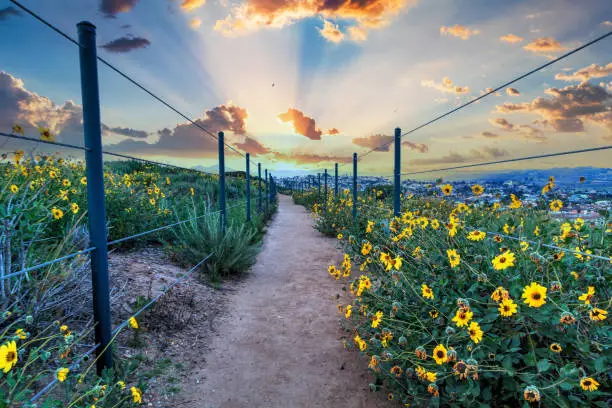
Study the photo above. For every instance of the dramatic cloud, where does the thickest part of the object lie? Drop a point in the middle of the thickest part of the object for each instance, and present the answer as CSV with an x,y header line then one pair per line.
x,y
138,134
190,5
333,131
113,7
378,143
419,147
512,91
586,73
8,11
253,15
252,146
302,124
511,38
331,32
568,108
460,31
126,44
473,155
490,135
544,46
195,23
187,140
445,86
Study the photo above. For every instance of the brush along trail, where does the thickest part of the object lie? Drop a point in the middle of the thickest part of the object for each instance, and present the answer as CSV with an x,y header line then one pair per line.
x,y
279,342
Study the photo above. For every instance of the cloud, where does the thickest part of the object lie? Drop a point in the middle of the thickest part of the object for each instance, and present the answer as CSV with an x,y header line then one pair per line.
x,y
460,31
502,123
333,131
586,73
445,86
195,23
607,23
487,90
527,131
128,132
126,44
187,140
544,45
419,147
512,91
511,38
6,12
568,108
113,7
310,158
302,124
253,15
378,143
190,5
252,146
331,32
490,135
454,157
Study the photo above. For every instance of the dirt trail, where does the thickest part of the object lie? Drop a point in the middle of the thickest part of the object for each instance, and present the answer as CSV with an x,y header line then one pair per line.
x,y
279,343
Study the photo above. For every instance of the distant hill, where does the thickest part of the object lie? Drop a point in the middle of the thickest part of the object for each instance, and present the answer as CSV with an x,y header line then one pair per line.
x,y
563,175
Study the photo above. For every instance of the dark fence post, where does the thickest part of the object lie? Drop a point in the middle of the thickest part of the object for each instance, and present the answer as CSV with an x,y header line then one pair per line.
x,y
259,203
221,138
336,179
267,190
396,172
325,190
96,207
355,188
319,187
248,187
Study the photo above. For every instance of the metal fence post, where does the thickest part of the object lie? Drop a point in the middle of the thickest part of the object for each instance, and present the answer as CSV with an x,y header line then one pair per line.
x,y
96,207
221,138
319,187
267,190
355,188
325,190
259,203
336,179
248,187
396,172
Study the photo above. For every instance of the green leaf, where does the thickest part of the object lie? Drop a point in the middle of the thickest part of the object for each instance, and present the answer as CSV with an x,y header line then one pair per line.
x,y
566,386
543,365
600,363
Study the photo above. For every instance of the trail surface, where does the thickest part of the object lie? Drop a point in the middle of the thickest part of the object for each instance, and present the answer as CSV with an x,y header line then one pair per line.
x,y
279,344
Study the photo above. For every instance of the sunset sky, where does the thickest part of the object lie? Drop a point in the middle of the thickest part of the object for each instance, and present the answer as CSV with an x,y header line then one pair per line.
x,y
303,84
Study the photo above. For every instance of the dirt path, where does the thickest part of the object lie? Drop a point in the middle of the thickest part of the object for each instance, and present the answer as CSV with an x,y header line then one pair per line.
x,y
279,343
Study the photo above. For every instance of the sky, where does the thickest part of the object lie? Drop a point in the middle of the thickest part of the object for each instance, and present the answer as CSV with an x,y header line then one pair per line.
x,y
302,84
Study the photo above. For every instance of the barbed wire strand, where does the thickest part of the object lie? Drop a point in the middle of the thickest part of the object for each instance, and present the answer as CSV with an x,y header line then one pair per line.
x,y
44,264
125,156
32,139
496,89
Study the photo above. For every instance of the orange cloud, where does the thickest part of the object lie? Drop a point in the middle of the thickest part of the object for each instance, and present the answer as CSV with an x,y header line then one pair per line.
x,y
195,23
511,38
544,45
512,91
302,124
190,5
460,31
253,15
252,146
489,134
331,32
419,147
378,143
333,131
586,73
445,86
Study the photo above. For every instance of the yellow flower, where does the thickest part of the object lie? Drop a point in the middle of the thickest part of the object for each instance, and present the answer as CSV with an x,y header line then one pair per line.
x,y
536,231
427,292
475,332
366,248
476,235
507,308
435,224
534,295
121,384
574,274
74,207
18,130
555,348
21,334
447,189
503,261
589,384
586,297
362,344
440,355
46,135
349,310
61,374
66,183
377,319
524,246
152,201
431,376
133,322
477,189
370,226
57,213
8,356
453,257
462,317
508,229
499,294
136,395
84,181
340,236
192,191
598,314
556,205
